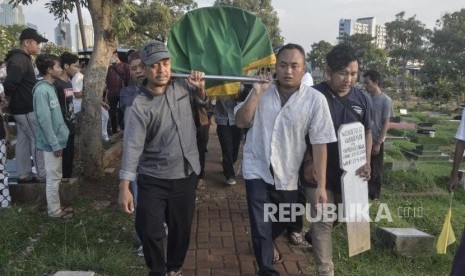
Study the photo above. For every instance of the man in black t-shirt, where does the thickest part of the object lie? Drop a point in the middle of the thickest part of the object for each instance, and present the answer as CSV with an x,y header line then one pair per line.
x,y
347,104
70,65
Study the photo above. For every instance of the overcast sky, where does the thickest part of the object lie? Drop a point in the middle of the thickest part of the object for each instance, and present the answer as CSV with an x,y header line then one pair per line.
x,y
303,21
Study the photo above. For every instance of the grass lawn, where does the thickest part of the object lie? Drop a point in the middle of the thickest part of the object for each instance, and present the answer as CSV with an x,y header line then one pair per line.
x,y
98,240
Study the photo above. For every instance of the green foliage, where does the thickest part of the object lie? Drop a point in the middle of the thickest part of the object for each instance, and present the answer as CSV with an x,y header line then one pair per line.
x,y
317,56
405,39
264,10
139,21
444,69
52,48
369,55
9,37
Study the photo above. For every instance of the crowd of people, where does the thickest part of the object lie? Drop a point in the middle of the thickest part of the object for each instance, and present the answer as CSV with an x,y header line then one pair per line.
x,y
290,152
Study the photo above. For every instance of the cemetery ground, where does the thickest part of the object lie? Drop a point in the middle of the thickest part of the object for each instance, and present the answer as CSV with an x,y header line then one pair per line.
x,y
100,237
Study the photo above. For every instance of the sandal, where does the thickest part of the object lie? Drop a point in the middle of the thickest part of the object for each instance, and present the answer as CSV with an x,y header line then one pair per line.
x,y
64,215
67,209
296,238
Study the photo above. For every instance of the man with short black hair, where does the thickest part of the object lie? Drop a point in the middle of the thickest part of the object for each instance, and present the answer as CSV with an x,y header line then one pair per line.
x,y
70,65
347,104
159,142
279,117
21,77
52,133
382,113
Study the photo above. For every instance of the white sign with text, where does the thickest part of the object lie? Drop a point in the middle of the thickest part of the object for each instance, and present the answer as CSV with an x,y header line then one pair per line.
x,y
352,156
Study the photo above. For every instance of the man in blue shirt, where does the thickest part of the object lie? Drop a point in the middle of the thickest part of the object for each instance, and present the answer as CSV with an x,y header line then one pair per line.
x,y
347,104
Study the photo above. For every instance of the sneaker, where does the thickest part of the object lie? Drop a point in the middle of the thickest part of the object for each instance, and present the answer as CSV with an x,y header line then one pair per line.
x,y
105,137
140,251
175,272
230,181
296,238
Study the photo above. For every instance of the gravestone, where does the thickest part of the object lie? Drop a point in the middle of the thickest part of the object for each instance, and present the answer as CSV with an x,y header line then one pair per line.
x,y
352,155
427,153
406,241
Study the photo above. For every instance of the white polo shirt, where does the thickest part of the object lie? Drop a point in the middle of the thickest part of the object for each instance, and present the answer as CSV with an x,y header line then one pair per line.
x,y
277,135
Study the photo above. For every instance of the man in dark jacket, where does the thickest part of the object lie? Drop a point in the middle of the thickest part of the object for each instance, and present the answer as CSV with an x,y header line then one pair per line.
x,y
117,78
21,78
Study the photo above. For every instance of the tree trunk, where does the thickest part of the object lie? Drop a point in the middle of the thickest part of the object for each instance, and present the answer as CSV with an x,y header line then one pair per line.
x,y
102,12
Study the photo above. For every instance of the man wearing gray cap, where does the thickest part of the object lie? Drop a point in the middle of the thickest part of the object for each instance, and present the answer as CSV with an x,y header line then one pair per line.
x,y
159,143
21,77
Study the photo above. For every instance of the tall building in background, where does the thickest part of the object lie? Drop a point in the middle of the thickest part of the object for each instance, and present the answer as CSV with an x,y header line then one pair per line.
x,y
345,27
10,15
88,34
365,25
63,36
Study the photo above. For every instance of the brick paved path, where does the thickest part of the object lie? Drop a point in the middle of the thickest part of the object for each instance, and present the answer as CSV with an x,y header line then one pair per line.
x,y
221,242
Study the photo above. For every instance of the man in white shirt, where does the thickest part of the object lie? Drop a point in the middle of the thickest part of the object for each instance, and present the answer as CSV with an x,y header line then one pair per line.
x,y
279,117
78,87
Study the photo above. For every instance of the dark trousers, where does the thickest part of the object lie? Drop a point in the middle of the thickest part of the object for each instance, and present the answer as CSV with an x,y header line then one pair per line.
x,y
230,140
116,115
377,168
458,266
162,200
202,141
264,233
68,157
298,224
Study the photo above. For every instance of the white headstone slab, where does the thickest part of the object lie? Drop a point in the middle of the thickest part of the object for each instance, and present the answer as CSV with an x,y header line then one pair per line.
x,y
352,156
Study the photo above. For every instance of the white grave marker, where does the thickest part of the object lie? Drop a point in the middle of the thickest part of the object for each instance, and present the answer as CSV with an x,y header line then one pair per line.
x,y
352,156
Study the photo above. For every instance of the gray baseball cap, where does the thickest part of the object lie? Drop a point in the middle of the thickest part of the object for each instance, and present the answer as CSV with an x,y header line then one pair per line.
x,y
153,51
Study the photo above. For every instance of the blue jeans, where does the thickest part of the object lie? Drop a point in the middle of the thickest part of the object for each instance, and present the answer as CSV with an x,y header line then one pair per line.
x,y
263,233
